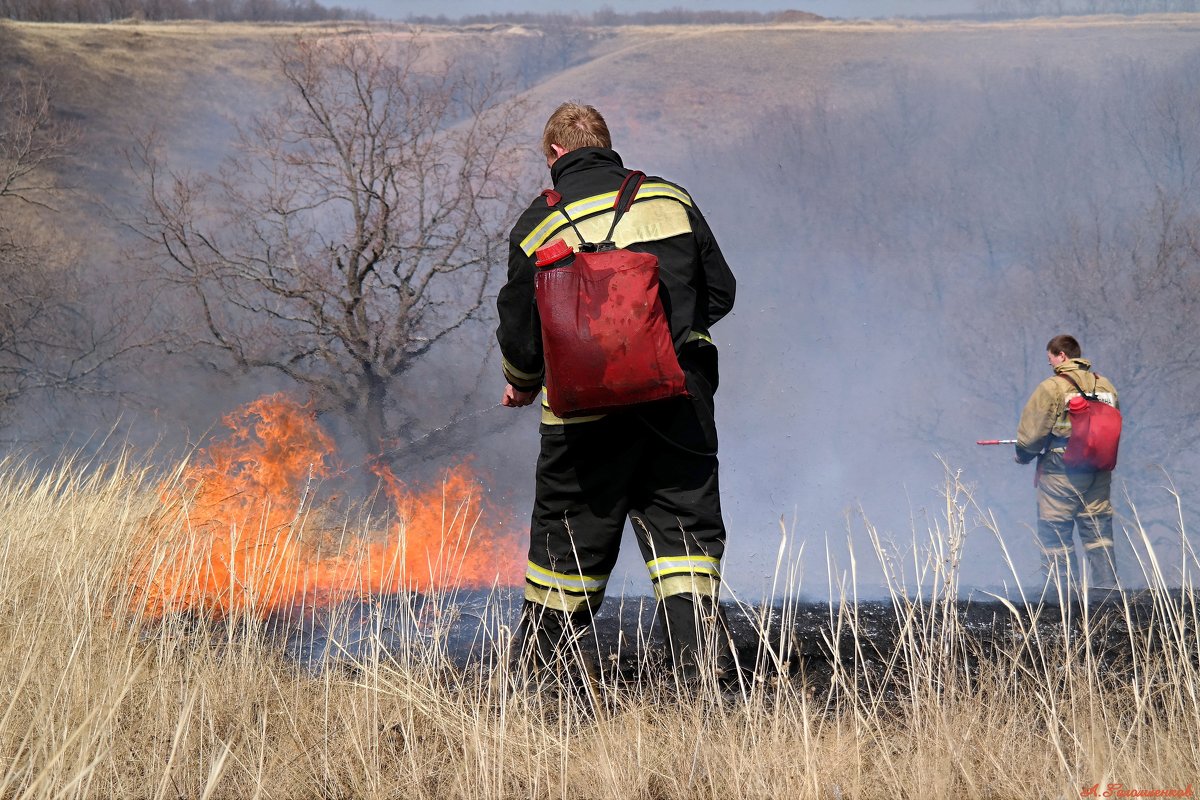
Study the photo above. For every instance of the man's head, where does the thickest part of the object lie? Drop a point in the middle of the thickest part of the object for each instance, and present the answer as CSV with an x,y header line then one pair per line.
x,y
572,126
1062,348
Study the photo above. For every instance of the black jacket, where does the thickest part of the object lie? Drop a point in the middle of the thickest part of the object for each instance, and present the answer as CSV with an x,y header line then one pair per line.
x,y
697,284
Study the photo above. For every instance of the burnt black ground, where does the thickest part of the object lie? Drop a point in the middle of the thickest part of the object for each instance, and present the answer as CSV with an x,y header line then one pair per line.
x,y
806,641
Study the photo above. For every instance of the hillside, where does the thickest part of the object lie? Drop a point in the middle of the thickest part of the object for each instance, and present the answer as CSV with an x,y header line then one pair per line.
x,y
712,81
711,84
912,209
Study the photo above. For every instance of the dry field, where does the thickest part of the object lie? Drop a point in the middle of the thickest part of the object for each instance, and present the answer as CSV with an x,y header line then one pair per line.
x,y
101,696
100,699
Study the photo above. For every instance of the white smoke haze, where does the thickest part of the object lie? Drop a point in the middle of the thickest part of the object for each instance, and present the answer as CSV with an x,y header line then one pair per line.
x,y
912,212
923,248
831,9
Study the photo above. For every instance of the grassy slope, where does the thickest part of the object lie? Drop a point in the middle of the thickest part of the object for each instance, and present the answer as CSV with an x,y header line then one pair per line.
x,y
116,80
191,78
190,81
707,83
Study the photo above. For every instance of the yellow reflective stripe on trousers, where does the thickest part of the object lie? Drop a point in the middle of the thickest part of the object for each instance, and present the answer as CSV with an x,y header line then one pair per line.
x,y
702,585
595,204
675,565
560,600
562,580
1098,544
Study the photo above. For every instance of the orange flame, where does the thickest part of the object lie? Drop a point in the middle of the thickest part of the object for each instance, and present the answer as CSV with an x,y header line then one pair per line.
x,y
241,533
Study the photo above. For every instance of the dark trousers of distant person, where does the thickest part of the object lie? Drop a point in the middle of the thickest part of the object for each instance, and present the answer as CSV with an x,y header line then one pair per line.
x,y
657,466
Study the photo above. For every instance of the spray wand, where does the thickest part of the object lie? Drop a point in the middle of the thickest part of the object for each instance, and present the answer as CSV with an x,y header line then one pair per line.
x,y
996,441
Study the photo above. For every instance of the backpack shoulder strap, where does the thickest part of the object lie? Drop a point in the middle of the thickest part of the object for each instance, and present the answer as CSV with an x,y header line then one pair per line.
x,y
1090,396
1069,380
625,197
553,199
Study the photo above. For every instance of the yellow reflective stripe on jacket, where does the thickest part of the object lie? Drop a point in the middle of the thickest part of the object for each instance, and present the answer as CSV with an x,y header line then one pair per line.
x,y
659,189
650,221
550,418
676,565
699,336
562,580
702,585
555,220
512,372
588,206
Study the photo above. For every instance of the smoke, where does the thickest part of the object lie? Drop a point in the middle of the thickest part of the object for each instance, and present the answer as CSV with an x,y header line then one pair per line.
x,y
903,257
828,8
911,216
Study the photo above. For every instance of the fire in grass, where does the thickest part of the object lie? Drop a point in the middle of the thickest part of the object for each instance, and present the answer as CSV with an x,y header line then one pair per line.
x,y
240,532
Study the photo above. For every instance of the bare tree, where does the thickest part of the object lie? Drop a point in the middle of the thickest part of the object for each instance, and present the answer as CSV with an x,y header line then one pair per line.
x,y
356,226
33,302
63,322
1138,285
30,144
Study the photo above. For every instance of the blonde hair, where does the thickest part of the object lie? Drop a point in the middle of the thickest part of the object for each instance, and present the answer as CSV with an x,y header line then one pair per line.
x,y
572,126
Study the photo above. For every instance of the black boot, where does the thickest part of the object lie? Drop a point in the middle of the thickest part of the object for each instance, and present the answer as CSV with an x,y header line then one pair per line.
x,y
698,641
554,649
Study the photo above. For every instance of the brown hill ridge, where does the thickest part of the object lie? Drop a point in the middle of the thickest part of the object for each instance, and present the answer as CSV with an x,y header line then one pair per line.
x,y
665,89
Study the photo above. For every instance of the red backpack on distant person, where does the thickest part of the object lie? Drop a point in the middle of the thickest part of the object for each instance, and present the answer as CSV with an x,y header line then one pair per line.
x,y
605,336
1095,431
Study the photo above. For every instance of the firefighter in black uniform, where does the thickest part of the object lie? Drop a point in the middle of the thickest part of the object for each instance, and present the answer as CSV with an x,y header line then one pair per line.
x,y
654,463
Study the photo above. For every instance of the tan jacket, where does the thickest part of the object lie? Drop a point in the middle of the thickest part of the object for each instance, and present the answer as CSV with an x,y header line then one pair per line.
x,y
1045,425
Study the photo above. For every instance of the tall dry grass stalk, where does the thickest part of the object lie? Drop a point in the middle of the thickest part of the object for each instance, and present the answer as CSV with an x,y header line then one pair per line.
x,y
99,701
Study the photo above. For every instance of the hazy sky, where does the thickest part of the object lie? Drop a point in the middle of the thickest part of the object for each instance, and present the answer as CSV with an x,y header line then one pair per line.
x,y
399,9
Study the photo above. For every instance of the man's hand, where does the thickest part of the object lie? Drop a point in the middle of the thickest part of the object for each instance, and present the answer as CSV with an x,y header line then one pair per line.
x,y
515,398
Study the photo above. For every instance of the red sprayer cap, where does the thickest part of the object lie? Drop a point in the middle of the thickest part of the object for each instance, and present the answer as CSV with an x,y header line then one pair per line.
x,y
1076,404
555,251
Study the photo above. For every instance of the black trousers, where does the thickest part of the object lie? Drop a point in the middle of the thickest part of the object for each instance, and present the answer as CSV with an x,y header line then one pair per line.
x,y
655,465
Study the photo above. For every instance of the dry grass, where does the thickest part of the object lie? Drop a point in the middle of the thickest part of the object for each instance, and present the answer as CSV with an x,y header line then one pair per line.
x,y
96,702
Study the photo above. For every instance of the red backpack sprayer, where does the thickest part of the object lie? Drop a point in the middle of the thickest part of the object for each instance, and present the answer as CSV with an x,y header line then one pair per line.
x,y
605,334
1095,432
